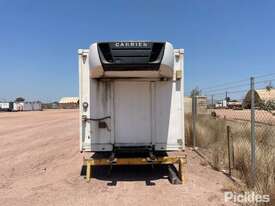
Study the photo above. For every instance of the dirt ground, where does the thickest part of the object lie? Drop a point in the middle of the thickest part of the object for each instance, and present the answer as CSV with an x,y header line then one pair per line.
x,y
40,164
261,116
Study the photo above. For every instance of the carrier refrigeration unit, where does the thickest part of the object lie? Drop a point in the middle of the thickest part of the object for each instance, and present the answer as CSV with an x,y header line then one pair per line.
x,y
131,96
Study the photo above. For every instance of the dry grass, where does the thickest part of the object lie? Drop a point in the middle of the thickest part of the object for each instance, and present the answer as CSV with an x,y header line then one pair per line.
x,y
212,141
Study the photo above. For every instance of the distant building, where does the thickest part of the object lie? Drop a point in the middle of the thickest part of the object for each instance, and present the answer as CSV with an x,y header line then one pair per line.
x,y
261,96
51,105
234,105
221,104
187,105
201,104
266,94
69,102
27,106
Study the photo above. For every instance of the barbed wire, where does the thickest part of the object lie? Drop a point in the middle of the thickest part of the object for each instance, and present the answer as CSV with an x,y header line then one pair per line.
x,y
265,81
3,100
224,84
230,85
265,75
227,88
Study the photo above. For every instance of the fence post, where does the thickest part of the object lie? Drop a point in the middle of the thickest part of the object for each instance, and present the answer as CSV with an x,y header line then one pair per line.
x,y
226,97
212,102
229,149
253,133
232,150
194,118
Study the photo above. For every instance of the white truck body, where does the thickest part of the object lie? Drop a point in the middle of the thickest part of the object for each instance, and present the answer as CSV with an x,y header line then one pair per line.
x,y
6,106
131,107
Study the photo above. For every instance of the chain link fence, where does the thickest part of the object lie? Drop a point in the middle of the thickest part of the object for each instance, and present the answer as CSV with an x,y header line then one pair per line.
x,y
233,126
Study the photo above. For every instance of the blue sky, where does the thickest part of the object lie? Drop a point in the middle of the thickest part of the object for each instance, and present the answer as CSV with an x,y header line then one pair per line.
x,y
223,40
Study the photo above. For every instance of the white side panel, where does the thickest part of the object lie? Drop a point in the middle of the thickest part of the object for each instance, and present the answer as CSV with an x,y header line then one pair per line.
x,y
169,110
84,96
97,94
179,66
168,115
100,107
132,103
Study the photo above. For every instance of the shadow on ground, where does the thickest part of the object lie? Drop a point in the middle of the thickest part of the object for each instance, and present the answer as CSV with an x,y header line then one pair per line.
x,y
146,173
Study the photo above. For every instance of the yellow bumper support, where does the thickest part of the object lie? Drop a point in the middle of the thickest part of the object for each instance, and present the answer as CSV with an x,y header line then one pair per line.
x,y
164,160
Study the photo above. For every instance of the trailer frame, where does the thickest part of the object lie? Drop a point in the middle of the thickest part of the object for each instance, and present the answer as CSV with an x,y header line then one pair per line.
x,y
170,158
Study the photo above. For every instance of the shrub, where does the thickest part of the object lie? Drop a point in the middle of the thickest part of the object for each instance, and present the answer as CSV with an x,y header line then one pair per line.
x,y
211,139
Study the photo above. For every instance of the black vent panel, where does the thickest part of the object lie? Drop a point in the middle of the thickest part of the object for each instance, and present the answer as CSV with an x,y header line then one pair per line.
x,y
130,55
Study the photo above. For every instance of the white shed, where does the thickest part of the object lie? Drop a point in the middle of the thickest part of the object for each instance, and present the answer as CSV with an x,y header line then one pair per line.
x,y
27,106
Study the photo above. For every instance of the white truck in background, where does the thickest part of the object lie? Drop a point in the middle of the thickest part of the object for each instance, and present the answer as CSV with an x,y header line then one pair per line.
x,y
6,106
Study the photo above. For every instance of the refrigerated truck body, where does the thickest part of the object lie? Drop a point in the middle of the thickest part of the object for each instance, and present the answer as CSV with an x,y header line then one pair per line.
x,y
131,96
